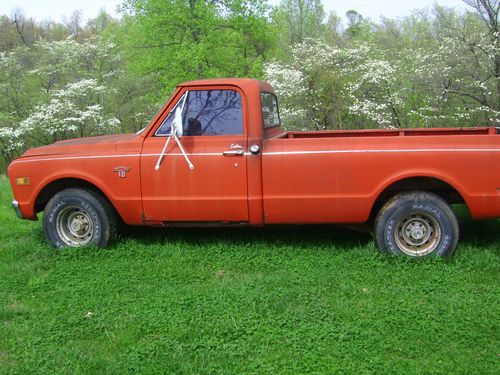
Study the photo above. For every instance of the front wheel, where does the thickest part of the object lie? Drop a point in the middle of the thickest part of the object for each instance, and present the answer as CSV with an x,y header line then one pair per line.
x,y
78,217
416,224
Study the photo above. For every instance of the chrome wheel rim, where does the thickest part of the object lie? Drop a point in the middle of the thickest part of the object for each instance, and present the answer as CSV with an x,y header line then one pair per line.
x,y
74,226
418,234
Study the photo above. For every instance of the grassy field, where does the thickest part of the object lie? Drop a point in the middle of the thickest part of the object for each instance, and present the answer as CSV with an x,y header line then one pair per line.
x,y
228,301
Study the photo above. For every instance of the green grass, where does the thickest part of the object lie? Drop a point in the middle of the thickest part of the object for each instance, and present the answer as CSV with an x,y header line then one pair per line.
x,y
225,301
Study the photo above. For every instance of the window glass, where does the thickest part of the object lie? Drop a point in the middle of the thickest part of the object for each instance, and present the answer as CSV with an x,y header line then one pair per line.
x,y
209,112
270,112
164,129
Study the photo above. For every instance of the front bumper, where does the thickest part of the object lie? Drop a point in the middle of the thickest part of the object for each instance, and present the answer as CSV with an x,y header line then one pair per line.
x,y
15,205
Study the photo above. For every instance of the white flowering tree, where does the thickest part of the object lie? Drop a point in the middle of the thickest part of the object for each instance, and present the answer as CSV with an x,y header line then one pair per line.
x,y
57,90
307,85
323,87
461,73
440,70
373,89
71,112
18,94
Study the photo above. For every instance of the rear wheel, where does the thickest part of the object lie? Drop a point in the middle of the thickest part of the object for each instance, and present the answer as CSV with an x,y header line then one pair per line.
x,y
417,224
79,217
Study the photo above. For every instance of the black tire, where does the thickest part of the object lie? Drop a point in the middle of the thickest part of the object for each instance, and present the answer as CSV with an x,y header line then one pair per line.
x,y
416,224
78,217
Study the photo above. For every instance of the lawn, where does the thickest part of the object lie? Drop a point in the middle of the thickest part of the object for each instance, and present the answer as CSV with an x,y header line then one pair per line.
x,y
279,300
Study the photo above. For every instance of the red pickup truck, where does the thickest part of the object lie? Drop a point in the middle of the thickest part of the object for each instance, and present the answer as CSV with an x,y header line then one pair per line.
x,y
216,154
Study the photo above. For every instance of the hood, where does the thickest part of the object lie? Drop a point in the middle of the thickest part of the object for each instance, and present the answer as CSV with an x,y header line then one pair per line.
x,y
104,143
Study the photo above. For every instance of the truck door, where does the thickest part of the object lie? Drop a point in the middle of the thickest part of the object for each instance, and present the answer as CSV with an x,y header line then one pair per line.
x,y
214,140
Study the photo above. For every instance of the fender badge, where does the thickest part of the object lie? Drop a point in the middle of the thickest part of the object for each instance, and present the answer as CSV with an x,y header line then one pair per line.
x,y
122,171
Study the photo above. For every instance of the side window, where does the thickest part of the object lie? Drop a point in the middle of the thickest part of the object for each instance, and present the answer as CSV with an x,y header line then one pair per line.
x,y
270,112
209,112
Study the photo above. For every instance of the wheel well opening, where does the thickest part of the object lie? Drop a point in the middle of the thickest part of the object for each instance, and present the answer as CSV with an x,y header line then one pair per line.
x,y
429,184
58,185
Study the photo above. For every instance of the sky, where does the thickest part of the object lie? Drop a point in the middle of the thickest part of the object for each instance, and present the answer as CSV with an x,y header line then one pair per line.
x,y
374,9
56,9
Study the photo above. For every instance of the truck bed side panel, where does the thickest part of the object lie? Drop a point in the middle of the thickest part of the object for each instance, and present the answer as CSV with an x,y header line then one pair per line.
x,y
337,180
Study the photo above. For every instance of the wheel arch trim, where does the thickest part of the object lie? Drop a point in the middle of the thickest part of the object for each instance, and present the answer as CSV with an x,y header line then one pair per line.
x,y
388,183
53,180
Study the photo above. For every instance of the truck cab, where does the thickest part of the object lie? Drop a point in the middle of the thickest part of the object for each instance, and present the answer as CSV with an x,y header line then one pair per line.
x,y
223,126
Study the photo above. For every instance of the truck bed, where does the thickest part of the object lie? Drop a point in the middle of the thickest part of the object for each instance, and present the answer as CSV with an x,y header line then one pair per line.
x,y
333,176
390,133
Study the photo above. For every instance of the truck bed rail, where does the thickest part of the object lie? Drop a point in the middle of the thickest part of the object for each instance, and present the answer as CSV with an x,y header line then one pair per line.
x,y
393,132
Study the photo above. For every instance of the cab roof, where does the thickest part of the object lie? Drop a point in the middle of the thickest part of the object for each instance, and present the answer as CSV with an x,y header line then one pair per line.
x,y
243,83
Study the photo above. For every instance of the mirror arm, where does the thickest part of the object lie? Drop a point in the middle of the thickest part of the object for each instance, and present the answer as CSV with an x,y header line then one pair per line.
x,y
191,166
160,159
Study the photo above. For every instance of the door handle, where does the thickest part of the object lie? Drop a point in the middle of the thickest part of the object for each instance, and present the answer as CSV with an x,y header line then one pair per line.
x,y
234,153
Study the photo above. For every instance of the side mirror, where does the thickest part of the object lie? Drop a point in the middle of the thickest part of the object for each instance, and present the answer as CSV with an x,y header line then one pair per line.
x,y
177,123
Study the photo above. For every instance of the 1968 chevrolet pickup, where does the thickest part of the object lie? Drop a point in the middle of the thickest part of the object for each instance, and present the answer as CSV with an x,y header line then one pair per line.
x,y
216,154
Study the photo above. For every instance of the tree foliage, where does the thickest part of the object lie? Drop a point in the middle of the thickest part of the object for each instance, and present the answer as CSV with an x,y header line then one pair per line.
x,y
63,88
428,69
180,40
431,68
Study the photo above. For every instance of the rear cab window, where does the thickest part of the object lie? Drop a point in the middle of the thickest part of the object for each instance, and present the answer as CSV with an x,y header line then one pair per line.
x,y
270,114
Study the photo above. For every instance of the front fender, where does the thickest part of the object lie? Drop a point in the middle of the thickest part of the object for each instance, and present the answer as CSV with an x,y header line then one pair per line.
x,y
123,193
